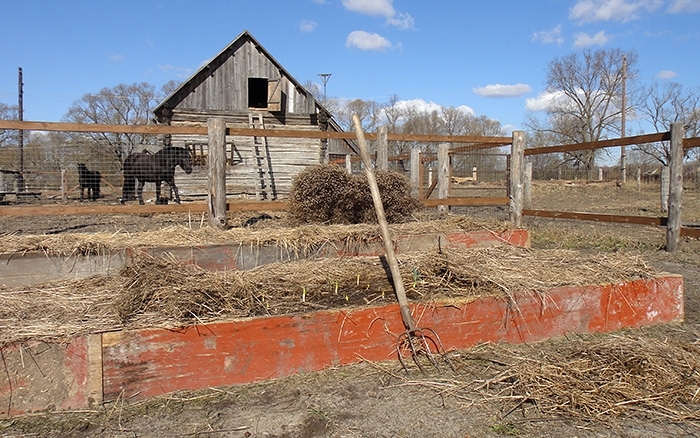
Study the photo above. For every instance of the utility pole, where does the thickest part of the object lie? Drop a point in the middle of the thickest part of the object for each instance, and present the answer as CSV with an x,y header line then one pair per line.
x,y
324,78
20,117
623,120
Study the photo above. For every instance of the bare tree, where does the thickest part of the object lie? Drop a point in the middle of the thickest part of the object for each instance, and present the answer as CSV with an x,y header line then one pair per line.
x,y
662,105
120,105
586,107
8,112
168,88
369,112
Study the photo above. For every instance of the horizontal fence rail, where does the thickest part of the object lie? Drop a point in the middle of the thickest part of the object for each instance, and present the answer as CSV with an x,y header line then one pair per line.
x,y
246,132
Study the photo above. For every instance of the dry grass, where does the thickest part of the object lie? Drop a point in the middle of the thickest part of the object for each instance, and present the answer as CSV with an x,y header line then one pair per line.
x,y
275,232
589,377
158,292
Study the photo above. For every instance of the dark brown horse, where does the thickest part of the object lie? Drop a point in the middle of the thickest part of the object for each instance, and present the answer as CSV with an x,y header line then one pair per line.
x,y
89,180
143,167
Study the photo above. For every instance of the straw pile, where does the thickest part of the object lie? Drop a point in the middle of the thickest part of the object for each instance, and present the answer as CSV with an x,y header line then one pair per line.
x,y
163,293
267,230
593,377
328,194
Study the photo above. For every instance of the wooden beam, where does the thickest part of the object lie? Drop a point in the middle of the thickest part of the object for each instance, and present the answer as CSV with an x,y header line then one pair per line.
x,y
675,197
243,132
693,142
515,183
217,172
193,207
595,217
465,202
639,139
690,232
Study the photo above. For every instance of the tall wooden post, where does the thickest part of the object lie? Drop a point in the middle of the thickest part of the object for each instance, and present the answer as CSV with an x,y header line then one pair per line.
x,y
64,186
382,149
443,174
217,172
675,198
415,171
516,178
527,185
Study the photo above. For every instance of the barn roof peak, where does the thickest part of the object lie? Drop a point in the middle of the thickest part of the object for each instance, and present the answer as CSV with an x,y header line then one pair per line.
x,y
173,99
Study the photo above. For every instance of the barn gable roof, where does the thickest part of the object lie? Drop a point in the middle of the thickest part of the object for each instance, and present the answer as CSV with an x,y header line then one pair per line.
x,y
200,75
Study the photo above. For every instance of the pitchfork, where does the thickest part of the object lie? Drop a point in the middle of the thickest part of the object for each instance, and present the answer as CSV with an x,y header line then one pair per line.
x,y
417,340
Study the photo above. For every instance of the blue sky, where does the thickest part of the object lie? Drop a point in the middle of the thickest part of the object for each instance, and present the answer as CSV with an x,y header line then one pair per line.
x,y
490,57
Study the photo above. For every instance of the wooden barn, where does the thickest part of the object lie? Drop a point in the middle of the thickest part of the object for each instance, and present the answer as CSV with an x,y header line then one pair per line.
x,y
245,85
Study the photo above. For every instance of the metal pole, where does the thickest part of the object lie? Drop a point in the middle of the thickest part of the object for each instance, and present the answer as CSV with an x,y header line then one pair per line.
x,y
20,117
324,78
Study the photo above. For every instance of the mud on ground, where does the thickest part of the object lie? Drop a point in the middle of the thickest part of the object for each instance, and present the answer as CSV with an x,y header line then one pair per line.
x,y
378,399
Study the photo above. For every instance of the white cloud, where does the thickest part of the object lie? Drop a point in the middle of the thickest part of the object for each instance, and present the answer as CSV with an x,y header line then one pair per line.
x,y
582,39
367,41
402,21
307,26
549,36
381,8
684,6
588,11
498,90
178,72
319,2
508,129
117,57
543,101
666,74
421,106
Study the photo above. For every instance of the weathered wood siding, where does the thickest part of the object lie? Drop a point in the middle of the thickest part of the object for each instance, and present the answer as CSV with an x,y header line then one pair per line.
x,y
223,84
287,157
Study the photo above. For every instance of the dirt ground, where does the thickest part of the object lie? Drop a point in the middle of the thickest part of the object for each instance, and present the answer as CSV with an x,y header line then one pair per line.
x,y
378,399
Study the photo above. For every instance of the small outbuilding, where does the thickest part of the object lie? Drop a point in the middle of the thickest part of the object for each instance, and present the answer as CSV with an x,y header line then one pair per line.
x,y
246,86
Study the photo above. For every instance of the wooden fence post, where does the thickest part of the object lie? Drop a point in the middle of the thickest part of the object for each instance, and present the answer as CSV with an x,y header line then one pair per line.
x,y
527,185
516,178
348,164
216,128
382,149
415,171
64,185
675,198
443,174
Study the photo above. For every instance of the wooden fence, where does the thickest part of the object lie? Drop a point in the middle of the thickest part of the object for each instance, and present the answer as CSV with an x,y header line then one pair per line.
x,y
217,204
673,223
216,130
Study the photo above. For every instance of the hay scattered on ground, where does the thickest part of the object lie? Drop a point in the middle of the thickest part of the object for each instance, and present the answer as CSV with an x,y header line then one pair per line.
x,y
591,377
265,230
158,292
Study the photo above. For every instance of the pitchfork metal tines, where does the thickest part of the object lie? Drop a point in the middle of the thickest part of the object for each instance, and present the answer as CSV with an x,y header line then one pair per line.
x,y
421,341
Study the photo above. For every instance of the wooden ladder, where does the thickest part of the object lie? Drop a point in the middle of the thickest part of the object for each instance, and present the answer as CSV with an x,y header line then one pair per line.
x,y
263,167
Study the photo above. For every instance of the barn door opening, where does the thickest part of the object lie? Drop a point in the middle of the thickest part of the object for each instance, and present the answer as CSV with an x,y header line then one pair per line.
x,y
257,93
265,93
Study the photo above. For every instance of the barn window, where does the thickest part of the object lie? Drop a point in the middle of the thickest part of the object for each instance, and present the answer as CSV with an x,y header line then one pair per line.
x,y
257,92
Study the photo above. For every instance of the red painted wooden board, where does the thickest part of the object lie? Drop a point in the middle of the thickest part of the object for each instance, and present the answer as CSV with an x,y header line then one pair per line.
x,y
40,375
145,363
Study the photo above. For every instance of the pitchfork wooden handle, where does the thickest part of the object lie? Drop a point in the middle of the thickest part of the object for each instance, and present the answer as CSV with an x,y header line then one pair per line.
x,y
384,226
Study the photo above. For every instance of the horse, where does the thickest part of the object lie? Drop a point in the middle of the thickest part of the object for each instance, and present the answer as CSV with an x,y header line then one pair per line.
x,y
89,180
143,167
